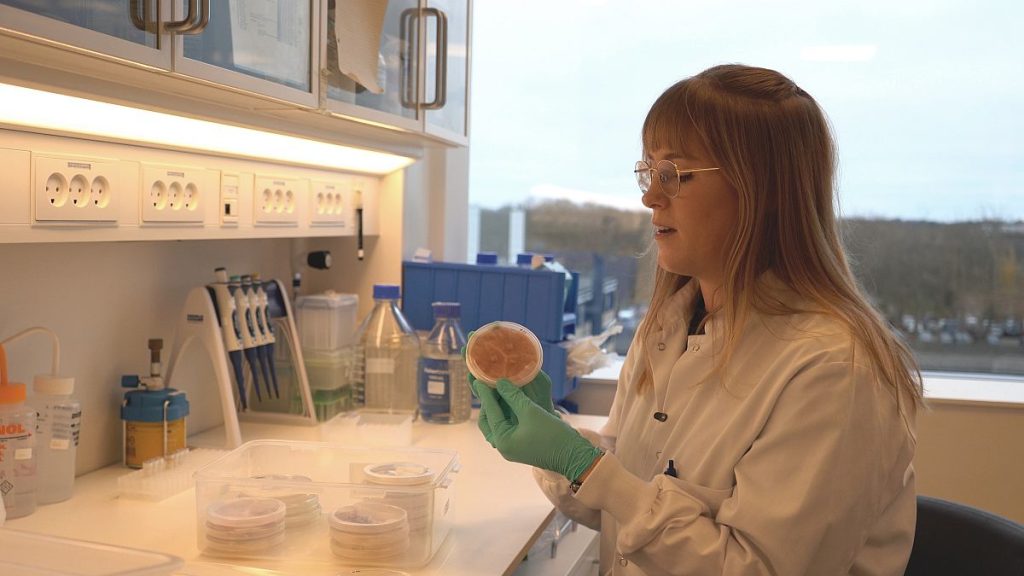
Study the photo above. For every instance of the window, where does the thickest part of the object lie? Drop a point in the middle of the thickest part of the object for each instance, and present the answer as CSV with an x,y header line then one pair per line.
x,y
924,99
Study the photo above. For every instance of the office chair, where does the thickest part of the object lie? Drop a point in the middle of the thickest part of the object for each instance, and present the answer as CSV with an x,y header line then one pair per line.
x,y
956,539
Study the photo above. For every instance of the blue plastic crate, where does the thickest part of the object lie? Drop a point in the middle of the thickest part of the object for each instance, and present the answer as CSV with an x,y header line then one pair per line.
x,y
554,366
534,298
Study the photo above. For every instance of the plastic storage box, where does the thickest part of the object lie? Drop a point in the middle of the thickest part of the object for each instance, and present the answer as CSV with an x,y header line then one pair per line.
x,y
327,332
326,322
537,299
326,504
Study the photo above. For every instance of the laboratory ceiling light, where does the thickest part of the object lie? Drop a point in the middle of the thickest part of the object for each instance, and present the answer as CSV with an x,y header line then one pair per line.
x,y
39,109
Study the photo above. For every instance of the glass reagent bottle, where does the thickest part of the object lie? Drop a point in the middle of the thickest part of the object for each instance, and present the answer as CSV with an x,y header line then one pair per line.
x,y
391,354
443,379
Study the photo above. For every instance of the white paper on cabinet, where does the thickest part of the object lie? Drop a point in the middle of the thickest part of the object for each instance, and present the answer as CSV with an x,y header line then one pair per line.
x,y
270,37
357,26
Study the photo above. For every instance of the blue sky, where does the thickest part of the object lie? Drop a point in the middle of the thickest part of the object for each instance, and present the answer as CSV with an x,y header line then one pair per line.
x,y
925,96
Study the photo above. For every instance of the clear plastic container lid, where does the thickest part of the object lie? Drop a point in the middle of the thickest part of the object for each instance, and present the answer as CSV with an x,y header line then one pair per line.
x,y
369,518
504,350
245,512
398,473
28,554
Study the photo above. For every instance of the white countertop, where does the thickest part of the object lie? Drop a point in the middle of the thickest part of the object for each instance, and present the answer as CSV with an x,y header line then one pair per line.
x,y
499,509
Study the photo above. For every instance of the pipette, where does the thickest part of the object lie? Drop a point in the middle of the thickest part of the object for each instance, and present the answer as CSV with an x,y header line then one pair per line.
x,y
247,322
230,329
261,329
264,306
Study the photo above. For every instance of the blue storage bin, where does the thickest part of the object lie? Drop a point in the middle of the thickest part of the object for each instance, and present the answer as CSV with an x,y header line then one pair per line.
x,y
534,298
554,366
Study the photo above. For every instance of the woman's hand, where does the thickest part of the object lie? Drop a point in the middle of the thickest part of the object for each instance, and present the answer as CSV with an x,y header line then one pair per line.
x,y
525,432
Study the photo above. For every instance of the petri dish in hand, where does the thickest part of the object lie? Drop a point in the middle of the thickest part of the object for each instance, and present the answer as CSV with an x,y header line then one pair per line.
x,y
504,350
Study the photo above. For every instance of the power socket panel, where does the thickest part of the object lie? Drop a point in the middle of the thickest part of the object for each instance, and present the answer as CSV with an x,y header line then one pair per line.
x,y
278,201
177,194
75,189
330,203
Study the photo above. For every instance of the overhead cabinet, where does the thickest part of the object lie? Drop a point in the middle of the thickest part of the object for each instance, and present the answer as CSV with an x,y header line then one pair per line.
x,y
401,64
422,56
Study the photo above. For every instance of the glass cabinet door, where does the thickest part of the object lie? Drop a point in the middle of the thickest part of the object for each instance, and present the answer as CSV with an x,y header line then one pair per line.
x,y
128,29
446,68
381,84
266,45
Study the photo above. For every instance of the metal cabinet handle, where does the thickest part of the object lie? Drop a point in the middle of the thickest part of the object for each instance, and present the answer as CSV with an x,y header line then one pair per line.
x,y
141,15
441,62
176,26
195,21
409,77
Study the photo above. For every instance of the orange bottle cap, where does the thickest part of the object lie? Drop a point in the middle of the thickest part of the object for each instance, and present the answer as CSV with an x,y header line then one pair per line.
x,y
12,393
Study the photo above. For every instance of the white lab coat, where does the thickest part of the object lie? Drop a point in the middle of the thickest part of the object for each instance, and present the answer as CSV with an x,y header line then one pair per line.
x,y
799,464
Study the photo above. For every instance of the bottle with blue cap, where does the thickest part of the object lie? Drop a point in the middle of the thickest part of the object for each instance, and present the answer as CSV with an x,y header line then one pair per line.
x,y
443,383
487,258
391,354
153,414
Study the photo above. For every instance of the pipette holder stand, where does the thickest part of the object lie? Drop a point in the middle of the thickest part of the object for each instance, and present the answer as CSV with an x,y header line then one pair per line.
x,y
199,320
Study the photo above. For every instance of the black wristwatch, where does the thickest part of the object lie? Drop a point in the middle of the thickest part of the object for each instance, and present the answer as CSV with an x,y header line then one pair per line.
x,y
576,484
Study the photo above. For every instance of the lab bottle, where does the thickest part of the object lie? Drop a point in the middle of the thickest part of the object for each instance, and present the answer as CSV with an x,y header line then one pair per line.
x,y
17,451
58,423
443,383
390,352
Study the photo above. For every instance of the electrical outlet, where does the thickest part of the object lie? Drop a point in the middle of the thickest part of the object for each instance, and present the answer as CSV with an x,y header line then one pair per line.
x,y
176,194
75,189
278,201
330,203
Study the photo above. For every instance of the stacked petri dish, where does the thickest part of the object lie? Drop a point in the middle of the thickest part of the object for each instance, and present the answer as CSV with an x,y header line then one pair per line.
x,y
302,507
244,526
411,494
369,531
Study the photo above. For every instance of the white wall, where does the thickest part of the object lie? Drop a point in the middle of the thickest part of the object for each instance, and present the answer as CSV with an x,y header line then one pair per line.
x,y
105,300
973,453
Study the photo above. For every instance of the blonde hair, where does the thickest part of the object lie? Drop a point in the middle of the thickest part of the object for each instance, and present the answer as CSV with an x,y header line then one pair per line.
x,y
774,146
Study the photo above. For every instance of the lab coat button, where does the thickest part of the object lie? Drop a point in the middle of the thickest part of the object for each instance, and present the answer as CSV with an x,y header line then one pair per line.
x,y
661,345
696,348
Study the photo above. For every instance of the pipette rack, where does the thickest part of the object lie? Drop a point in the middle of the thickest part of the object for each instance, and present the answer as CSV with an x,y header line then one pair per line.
x,y
199,320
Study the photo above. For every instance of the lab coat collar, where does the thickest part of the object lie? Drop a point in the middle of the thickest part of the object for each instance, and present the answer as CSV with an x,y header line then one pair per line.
x,y
679,307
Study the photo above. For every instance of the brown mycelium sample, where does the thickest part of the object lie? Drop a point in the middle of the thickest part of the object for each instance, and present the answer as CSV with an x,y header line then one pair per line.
x,y
502,352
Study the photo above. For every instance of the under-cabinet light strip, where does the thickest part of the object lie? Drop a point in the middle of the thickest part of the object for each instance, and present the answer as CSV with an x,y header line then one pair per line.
x,y
32,108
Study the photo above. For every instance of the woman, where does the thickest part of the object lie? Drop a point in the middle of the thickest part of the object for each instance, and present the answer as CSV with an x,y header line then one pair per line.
x,y
764,418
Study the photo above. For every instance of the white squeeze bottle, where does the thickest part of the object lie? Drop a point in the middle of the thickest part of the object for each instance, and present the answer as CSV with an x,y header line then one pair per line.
x,y
58,424
17,450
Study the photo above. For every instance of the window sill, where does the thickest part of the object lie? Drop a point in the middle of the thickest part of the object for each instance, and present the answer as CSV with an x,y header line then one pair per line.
x,y
940,387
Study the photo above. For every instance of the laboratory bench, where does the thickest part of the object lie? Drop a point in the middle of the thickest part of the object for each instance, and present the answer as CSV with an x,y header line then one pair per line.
x,y
500,513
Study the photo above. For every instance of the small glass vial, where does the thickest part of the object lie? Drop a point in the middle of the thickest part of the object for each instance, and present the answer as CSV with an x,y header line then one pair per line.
x,y
443,383
17,451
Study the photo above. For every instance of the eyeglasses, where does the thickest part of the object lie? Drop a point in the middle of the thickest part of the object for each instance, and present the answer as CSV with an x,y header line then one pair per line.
x,y
666,173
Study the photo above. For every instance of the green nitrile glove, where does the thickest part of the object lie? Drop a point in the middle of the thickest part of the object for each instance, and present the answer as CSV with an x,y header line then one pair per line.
x,y
530,434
